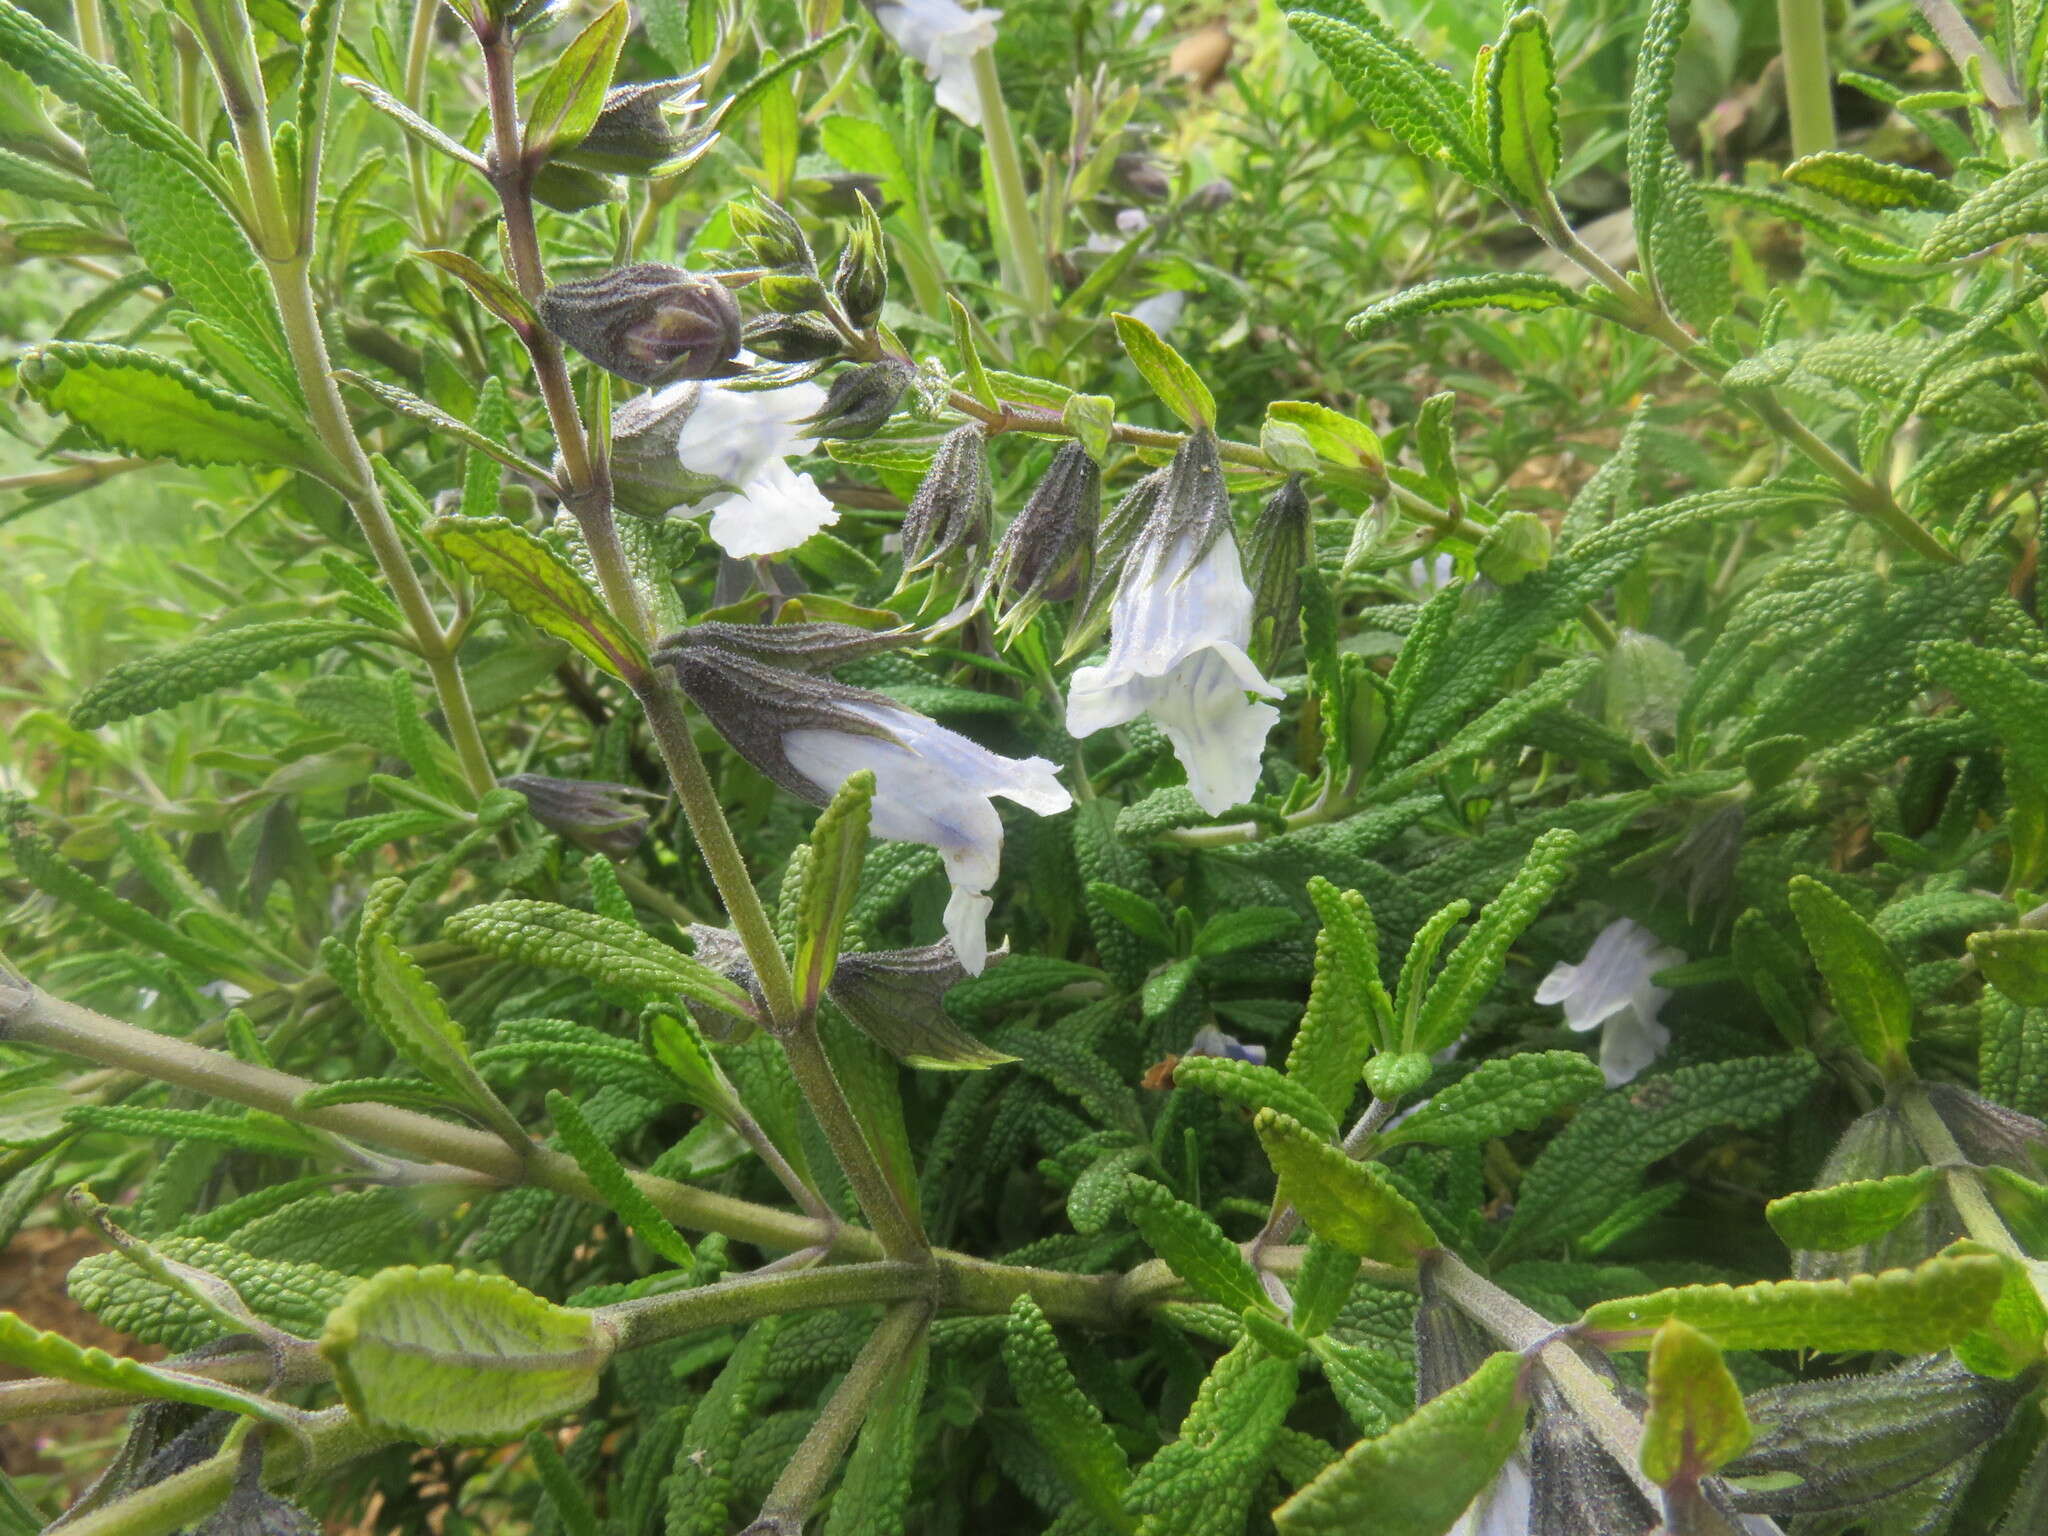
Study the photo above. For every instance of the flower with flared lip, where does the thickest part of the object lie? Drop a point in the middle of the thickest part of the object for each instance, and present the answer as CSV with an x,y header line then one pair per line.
x,y
1502,1506
810,734
744,437
934,786
944,38
1179,626
1611,987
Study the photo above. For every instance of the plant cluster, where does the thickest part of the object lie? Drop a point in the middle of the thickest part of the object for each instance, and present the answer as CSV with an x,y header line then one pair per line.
x,y
1137,1099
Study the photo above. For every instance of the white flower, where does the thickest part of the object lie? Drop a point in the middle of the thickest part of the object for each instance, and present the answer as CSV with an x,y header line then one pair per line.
x,y
1502,1507
1162,311
934,786
743,437
1611,987
944,38
1211,1041
1178,631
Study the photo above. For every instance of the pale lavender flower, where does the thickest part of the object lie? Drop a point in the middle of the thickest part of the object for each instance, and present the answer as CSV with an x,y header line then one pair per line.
x,y
1610,990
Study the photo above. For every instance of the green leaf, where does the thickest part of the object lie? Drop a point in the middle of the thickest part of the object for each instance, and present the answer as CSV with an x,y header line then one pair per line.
x,y
415,125
2015,204
1349,1012
1344,1202
1202,1483
540,586
1522,291
1498,1098
1336,438
489,289
672,1039
1135,912
1870,184
747,96
978,384
874,1492
102,95
408,404
405,1005
1695,1423
1065,1422
1864,978
1255,1086
831,881
1416,1479
165,679
1176,384
290,1295
1194,1247
264,1134
2010,701
609,952
1245,928
1595,1163
1521,89
445,1355
2015,960
1850,1214
565,105
1474,967
32,178
614,1184
50,1354
1401,92
151,407
1908,1311
2012,1336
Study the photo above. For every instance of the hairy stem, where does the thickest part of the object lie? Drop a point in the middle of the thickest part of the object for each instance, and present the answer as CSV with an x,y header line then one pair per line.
x,y
1963,1183
900,1234
1809,84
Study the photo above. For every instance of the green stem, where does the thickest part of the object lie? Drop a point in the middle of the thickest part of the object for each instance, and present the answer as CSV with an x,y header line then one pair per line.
x,y
418,46
1026,261
886,1211
92,32
881,1358
1963,1183
1809,83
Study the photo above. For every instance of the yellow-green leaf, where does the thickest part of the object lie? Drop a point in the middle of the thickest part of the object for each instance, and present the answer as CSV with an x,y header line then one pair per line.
x,y
541,586
1176,384
1521,86
1344,1202
1696,1423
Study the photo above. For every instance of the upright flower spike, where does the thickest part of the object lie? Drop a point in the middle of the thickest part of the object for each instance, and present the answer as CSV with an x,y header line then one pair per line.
x,y
726,453
944,37
1179,625
810,734
1611,987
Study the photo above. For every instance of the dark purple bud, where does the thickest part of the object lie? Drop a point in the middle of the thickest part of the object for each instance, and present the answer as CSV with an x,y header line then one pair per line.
x,y
861,399
589,813
1212,195
1046,551
648,323
1141,176
1282,542
802,338
637,132
949,516
896,997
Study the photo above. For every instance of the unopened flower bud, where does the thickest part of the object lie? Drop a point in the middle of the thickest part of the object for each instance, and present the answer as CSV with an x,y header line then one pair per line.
x,y
803,338
570,188
648,323
1141,176
949,516
771,236
637,133
1516,546
1118,532
1212,195
589,813
795,291
840,193
896,997
861,399
1046,551
862,281
1282,542
1574,1485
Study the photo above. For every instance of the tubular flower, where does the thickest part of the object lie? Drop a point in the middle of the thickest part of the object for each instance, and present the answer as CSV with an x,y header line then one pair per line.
x,y
741,438
1612,987
810,734
944,38
1179,625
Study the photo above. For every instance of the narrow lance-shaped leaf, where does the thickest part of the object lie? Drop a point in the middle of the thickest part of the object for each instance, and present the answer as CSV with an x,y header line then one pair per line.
x,y
1176,384
831,881
1487,290
1417,1478
1515,1093
1344,1202
1475,965
1194,1247
567,102
615,1184
1850,1214
1521,84
165,679
541,587
1254,1086
405,1005
1864,978
1695,1424
445,1355
1066,1423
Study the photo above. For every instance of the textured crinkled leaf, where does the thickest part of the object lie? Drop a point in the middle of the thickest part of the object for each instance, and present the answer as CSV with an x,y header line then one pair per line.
x,y
1176,384
1951,478
29,1348
1849,1214
406,1006
1418,1477
1649,112
1995,688
1475,965
609,952
2015,204
1594,1164
1193,1246
289,1294
1067,1424
615,1184
540,586
154,408
1376,1388
1864,977
1695,1423
831,880
1486,290
874,1492
1908,1311
1514,1093
262,1134
1871,184
408,404
1201,1484
1400,91
1521,86
2014,960
446,1355
163,679
1254,1086
1348,1203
